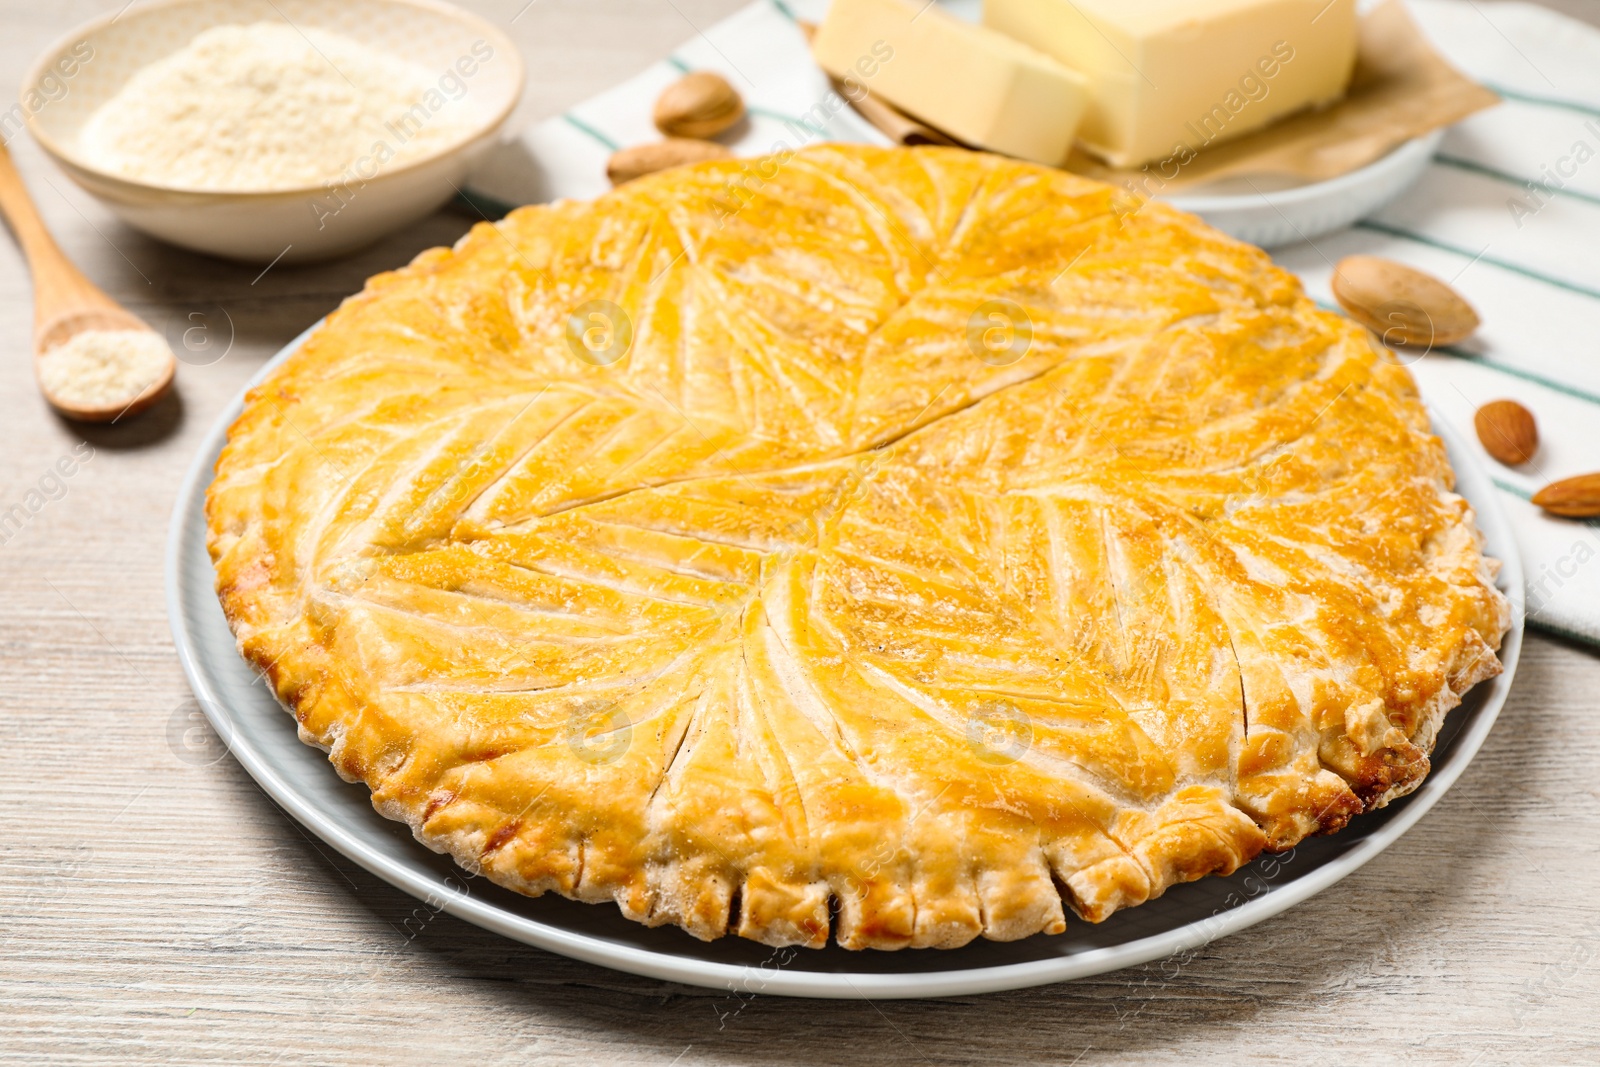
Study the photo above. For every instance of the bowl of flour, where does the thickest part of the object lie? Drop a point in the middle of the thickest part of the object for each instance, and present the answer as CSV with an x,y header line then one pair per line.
x,y
273,130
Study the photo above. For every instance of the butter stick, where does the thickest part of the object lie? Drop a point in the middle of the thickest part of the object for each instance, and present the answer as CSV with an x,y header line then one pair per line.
x,y
973,83
1170,77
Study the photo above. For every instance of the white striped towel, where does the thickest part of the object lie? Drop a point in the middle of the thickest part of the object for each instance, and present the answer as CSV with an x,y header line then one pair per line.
x,y
1526,255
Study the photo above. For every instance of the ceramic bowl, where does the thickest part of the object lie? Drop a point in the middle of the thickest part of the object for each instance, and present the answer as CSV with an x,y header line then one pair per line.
x,y
85,68
1270,215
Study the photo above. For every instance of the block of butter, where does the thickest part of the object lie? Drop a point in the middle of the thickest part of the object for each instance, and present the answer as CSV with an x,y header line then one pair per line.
x,y
975,84
1170,77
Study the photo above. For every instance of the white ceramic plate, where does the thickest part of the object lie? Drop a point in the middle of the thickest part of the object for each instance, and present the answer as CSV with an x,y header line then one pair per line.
x,y
262,737
1269,215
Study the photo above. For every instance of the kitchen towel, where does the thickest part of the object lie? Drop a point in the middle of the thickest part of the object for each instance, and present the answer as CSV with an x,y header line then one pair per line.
x,y
1508,213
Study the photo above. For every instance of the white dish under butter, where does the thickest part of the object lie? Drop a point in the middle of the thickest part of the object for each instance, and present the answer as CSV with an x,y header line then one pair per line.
x,y
1271,214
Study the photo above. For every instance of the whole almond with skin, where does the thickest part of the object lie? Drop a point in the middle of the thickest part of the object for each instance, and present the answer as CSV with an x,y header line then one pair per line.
x,y
700,105
1402,305
1508,431
1573,498
642,159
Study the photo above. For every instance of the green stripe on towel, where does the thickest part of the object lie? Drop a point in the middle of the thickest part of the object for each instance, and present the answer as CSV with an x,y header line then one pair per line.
x,y
1543,101
1432,242
579,124
1521,182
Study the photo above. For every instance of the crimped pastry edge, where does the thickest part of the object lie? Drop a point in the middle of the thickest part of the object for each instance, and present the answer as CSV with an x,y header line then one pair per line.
x,y
1092,894
1223,839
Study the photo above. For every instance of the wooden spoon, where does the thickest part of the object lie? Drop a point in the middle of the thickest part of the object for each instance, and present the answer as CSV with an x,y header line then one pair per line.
x,y
65,303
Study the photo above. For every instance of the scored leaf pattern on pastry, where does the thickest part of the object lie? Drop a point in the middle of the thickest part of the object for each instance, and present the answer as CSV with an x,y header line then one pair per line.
x,y
795,602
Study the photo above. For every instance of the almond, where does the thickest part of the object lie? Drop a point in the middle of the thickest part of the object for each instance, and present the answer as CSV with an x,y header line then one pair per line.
x,y
642,159
1401,304
1508,431
701,105
1574,498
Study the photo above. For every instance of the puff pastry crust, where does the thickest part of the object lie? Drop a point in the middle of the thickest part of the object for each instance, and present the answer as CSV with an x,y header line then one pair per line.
x,y
824,610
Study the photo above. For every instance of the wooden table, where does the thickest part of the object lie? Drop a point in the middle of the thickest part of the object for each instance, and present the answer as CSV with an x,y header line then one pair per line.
x,y
156,910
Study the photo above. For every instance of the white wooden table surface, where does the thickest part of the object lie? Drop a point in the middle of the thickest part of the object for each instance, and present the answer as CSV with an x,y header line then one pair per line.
x,y
157,911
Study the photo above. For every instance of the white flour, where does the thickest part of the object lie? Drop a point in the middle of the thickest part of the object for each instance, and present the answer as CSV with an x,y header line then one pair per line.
x,y
263,107
103,368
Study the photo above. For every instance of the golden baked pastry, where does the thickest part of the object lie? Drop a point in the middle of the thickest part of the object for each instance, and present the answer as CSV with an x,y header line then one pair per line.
x,y
931,543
